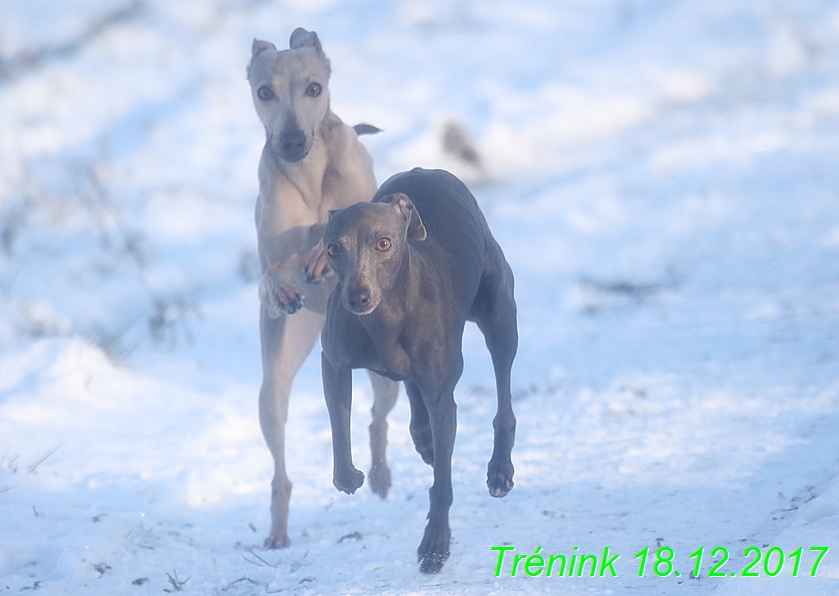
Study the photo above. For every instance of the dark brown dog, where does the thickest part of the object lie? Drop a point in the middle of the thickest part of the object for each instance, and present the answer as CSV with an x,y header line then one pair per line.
x,y
413,266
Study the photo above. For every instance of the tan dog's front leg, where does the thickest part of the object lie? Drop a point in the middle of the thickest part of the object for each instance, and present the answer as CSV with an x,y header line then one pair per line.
x,y
286,341
279,295
317,267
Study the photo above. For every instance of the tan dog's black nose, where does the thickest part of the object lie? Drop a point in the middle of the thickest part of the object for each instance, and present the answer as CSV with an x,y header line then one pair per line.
x,y
293,145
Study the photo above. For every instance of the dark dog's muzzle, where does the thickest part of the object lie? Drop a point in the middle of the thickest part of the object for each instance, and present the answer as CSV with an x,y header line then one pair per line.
x,y
359,300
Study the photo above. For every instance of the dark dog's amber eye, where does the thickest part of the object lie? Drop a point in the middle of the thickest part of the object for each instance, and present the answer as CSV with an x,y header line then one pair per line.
x,y
314,90
265,93
383,244
334,250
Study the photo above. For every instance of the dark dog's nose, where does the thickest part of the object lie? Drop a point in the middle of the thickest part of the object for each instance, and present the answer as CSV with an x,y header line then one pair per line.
x,y
293,145
360,299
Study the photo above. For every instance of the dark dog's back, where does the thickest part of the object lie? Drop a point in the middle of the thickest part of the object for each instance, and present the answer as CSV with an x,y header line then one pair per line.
x,y
453,220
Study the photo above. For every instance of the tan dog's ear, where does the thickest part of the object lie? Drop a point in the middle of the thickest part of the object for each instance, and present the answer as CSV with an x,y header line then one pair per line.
x,y
300,38
260,46
402,203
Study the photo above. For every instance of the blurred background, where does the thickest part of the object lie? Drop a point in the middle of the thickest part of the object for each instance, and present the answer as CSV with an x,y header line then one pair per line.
x,y
636,138
663,176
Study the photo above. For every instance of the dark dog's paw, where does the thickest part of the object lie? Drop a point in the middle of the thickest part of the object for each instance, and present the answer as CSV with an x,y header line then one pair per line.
x,y
424,443
433,551
380,479
350,482
275,542
280,296
500,478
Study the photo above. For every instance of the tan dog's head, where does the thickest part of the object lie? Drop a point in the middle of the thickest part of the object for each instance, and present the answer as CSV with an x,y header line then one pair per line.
x,y
290,92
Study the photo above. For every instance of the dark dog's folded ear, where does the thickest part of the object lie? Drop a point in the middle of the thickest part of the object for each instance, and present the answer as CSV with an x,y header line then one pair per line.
x,y
402,203
333,212
260,46
300,38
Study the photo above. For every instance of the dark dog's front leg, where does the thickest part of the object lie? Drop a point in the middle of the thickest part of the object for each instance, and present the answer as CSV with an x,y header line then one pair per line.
x,y
337,389
420,425
434,548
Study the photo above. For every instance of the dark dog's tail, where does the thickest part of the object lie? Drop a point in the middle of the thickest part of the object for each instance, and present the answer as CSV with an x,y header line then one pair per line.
x,y
365,129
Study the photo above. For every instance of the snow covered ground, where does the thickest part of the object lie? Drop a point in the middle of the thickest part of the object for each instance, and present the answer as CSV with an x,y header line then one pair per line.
x,y
663,176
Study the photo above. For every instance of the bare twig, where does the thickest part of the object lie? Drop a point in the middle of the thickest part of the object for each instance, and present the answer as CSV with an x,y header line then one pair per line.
x,y
353,536
238,581
177,583
31,469
266,563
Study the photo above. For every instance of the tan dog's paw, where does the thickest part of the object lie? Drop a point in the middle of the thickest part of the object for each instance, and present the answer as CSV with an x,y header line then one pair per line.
x,y
279,295
317,268
273,543
379,479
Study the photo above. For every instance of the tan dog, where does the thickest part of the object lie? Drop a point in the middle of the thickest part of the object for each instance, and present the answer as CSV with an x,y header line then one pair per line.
x,y
312,162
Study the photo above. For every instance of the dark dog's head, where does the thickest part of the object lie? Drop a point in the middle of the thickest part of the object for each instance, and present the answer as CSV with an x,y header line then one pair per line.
x,y
366,246
290,92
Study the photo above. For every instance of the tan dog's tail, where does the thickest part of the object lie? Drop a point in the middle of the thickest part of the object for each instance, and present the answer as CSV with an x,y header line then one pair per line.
x,y
365,129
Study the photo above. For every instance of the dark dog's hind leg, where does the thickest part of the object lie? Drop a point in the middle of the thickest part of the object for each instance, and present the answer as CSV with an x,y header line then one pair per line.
x,y
420,425
495,312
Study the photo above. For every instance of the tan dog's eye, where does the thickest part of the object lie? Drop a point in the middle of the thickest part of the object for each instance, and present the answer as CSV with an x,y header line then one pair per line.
x,y
334,250
265,93
383,244
314,90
